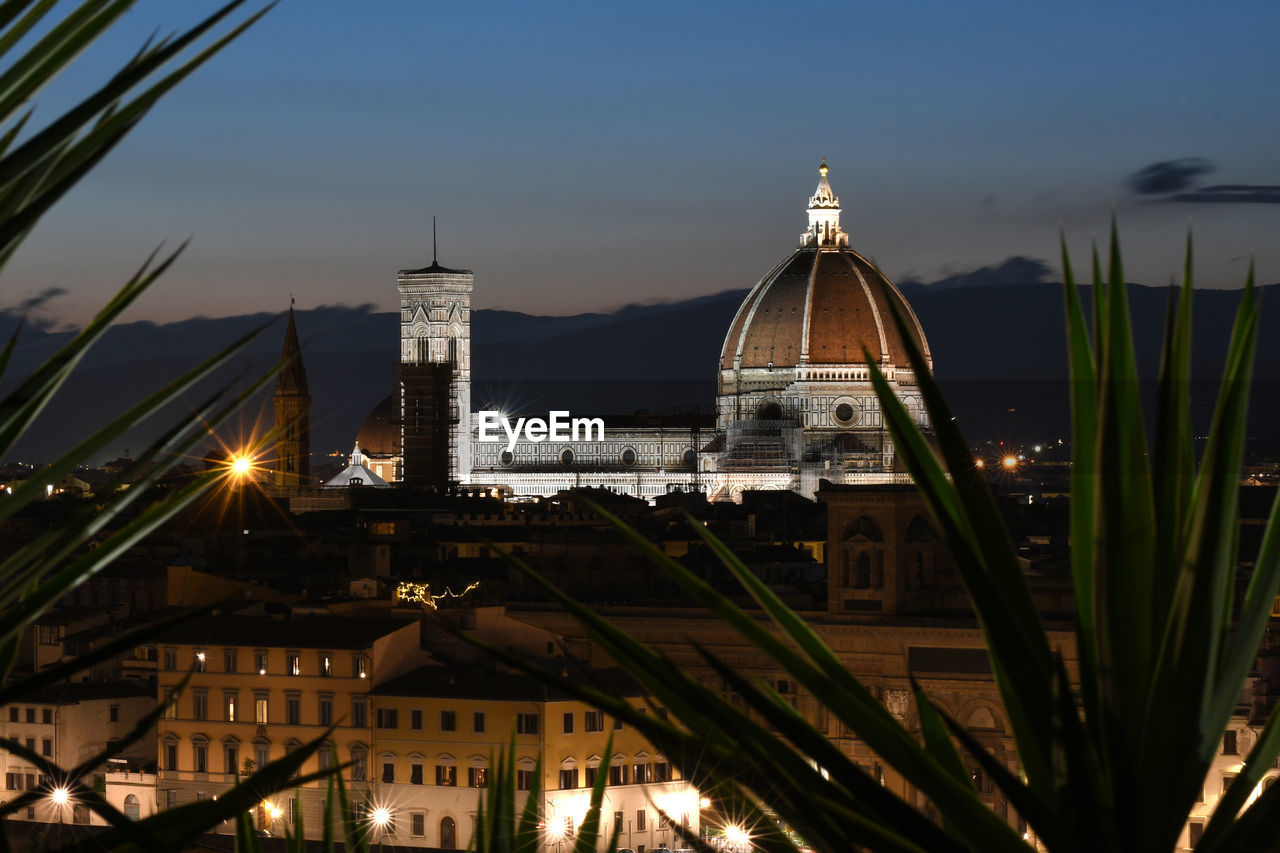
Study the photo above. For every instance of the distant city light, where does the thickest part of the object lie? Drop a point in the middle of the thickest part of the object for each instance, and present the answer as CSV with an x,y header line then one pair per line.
x,y
979,463
1010,462
61,795
381,816
241,465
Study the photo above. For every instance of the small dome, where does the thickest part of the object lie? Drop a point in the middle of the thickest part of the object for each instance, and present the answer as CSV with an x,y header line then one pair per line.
x,y
378,435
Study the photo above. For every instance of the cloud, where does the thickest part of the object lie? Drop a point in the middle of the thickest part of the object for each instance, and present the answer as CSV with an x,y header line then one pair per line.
x,y
1232,194
1017,269
1168,176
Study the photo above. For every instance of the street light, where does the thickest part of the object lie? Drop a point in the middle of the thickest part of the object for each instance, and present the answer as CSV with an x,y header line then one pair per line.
x,y
381,817
60,796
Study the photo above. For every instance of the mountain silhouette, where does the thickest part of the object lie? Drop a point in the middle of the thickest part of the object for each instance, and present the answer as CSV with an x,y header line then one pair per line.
x,y
998,350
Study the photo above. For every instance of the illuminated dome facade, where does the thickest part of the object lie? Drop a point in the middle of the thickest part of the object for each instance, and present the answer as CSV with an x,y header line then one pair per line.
x,y
793,387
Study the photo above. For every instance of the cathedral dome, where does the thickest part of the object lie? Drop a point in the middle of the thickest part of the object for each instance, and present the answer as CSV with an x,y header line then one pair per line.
x,y
822,305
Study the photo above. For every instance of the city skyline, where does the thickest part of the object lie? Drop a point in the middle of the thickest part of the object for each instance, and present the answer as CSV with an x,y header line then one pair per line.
x,y
591,157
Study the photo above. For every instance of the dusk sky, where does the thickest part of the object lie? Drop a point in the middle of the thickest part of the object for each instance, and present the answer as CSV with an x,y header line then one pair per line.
x,y
583,156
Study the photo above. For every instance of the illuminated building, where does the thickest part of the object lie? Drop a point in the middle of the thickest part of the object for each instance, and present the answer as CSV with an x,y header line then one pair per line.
x,y
437,730
794,404
264,686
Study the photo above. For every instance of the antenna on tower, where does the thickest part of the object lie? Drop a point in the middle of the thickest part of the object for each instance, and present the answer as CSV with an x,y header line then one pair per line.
x,y
434,262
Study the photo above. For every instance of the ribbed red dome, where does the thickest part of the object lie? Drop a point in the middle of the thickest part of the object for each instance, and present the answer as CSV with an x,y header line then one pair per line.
x,y
819,306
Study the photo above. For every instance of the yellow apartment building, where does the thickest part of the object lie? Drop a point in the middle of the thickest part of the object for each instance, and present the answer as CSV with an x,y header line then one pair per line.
x,y
264,686
438,729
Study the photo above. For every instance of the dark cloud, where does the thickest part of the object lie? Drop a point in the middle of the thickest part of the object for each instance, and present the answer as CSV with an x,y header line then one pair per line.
x,y
1017,269
1232,194
31,303
1168,176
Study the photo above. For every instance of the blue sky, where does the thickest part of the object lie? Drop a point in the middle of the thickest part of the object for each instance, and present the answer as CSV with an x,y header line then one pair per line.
x,y
581,156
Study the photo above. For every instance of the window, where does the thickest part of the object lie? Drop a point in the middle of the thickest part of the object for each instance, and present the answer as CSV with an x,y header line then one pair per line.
x,y
661,772
415,774
202,661
326,710
231,758
31,744
48,635
388,718
229,703
326,664
170,756
46,747
446,774
448,721
80,814
13,714
388,771
359,764
260,708
617,725
261,755
324,756
477,721
293,708
1195,831
170,659
260,663
568,723
132,807
229,660
568,826
592,773
642,773
200,753
46,715
569,777
1229,742
359,666
618,774
1227,779
662,713
31,715
415,719
417,824
477,777
641,815
200,705
527,724
359,715
524,780
293,664
593,721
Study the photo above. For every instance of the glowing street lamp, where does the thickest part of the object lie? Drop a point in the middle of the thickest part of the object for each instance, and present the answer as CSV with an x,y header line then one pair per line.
x,y
60,796
1009,462
381,818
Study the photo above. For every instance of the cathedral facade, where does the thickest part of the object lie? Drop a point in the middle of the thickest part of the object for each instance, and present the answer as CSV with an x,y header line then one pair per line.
x,y
794,405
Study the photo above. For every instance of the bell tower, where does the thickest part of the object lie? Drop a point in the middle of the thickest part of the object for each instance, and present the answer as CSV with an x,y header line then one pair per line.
x,y
434,374
292,405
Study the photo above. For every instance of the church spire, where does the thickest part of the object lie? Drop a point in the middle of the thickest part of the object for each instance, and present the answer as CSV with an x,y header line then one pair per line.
x,y
293,379
824,215
292,406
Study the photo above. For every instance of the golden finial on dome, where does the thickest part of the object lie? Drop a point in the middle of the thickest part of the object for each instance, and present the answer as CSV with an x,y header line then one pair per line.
x,y
822,170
